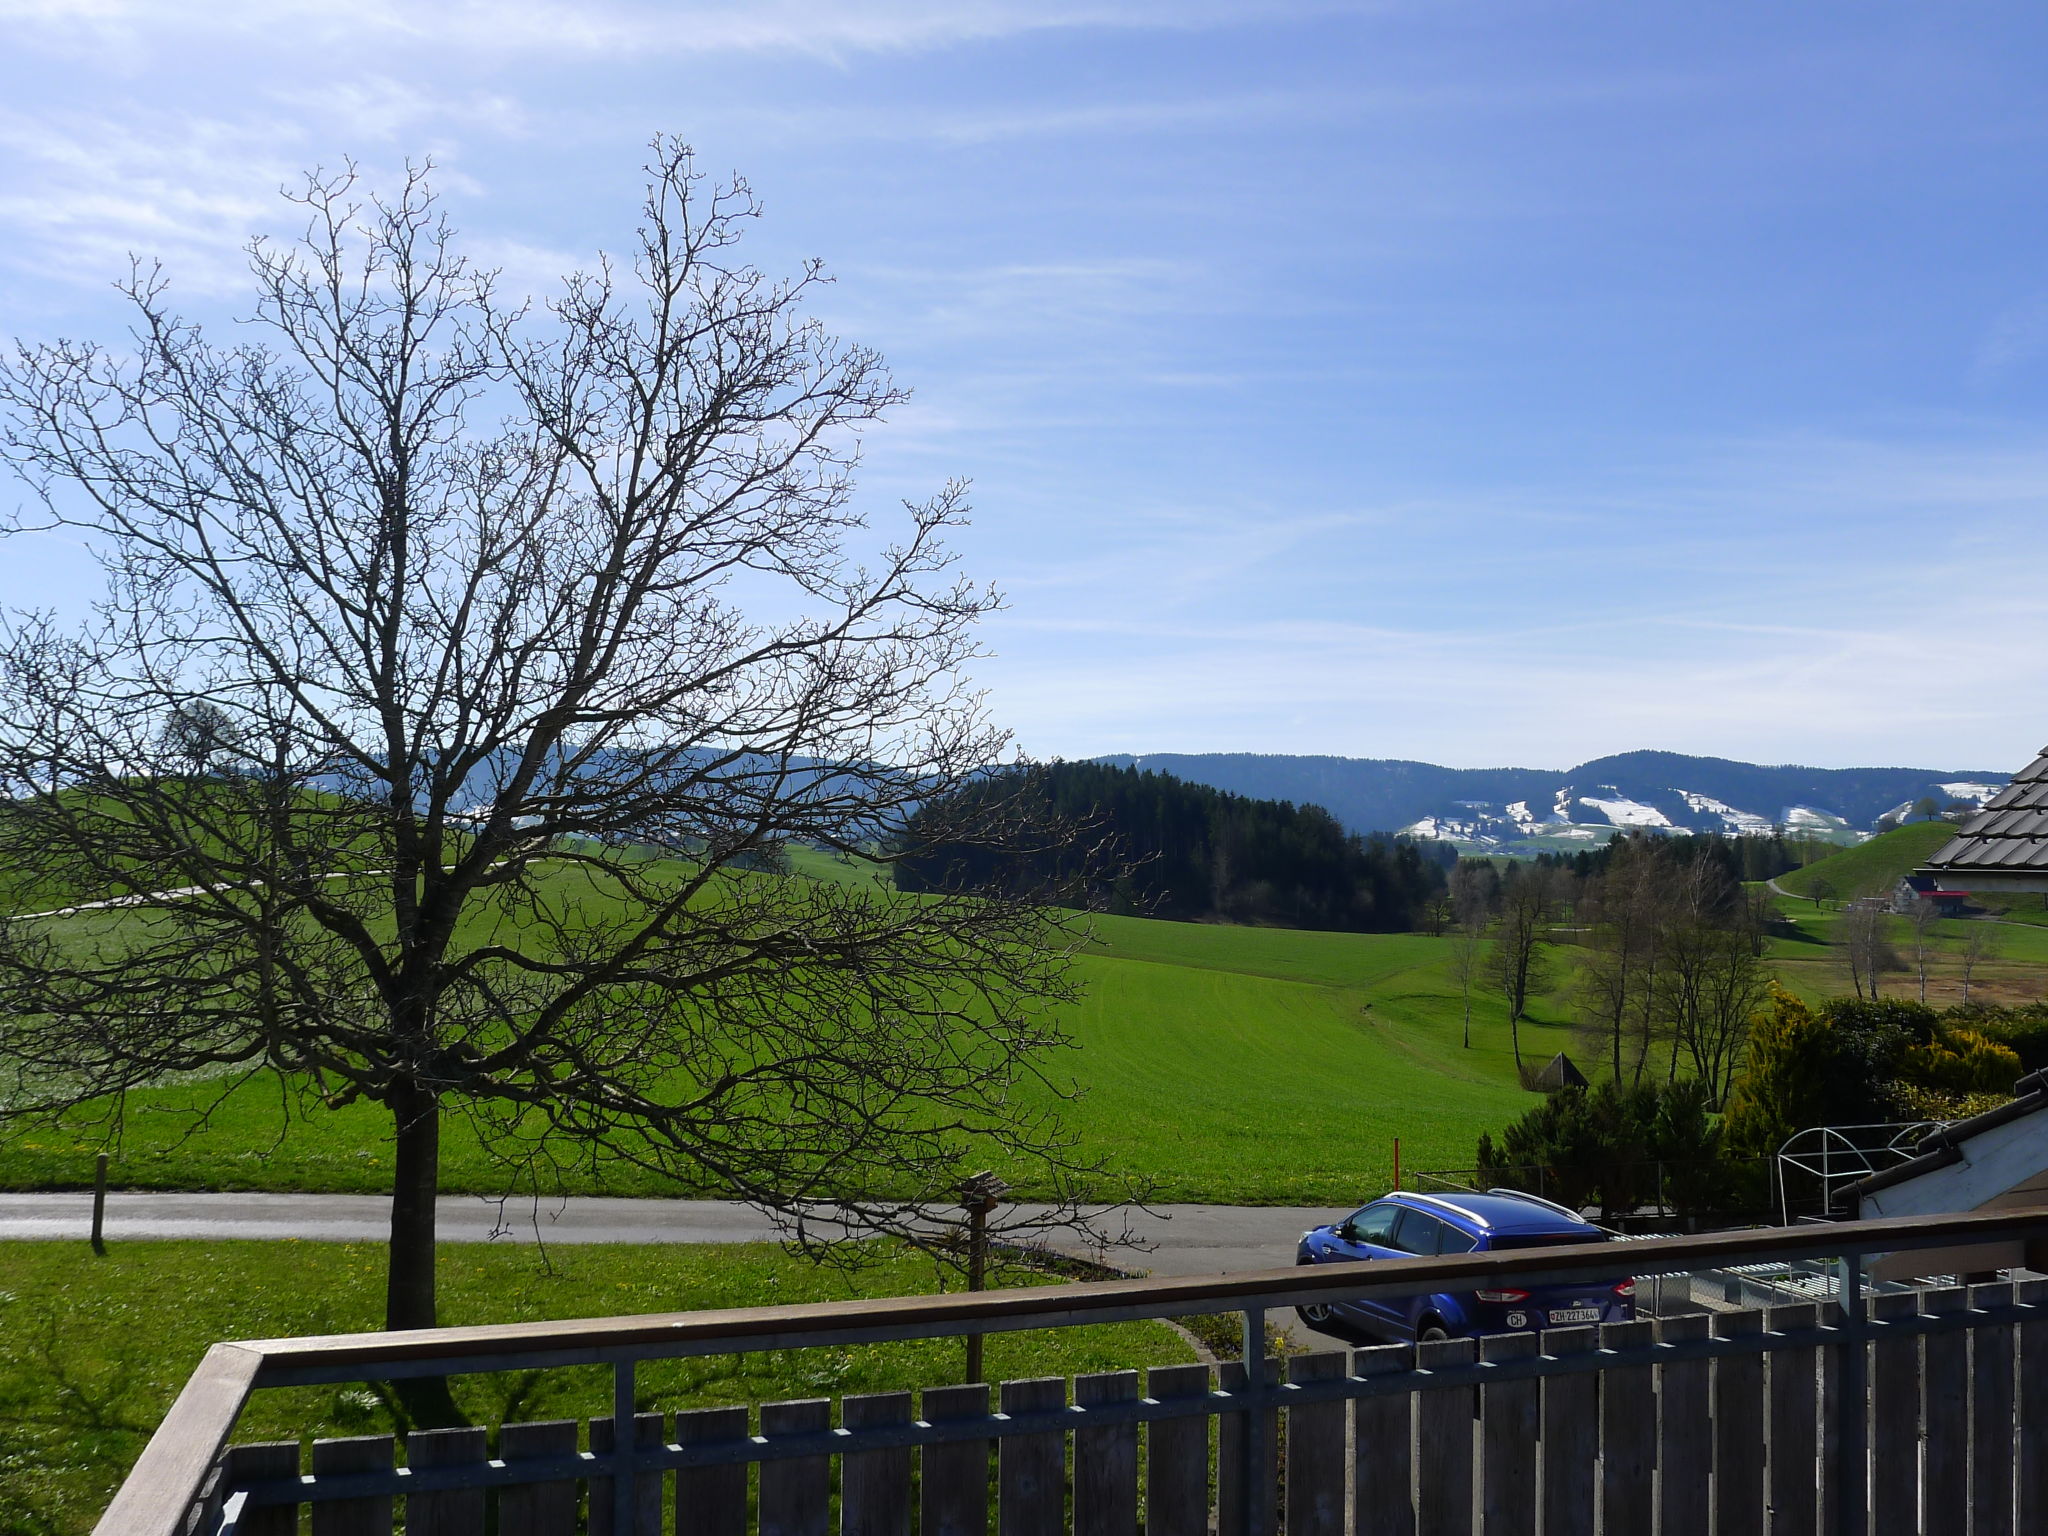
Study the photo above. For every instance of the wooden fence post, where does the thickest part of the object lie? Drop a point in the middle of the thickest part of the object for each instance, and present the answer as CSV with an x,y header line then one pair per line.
x,y
1383,1430
1176,1456
1443,1432
1791,1436
1991,1418
99,1205
1571,1436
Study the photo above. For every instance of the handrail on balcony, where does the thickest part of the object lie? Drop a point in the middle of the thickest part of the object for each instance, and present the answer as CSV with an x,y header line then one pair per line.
x,y
171,1478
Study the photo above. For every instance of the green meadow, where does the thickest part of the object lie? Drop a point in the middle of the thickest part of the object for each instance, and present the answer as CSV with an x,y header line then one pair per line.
x,y
1206,1063
93,1350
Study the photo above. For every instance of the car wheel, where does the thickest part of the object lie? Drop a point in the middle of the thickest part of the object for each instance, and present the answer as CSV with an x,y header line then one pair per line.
x,y
1316,1315
1432,1332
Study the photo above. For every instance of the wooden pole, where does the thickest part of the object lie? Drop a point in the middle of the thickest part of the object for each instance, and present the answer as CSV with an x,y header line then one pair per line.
x,y
977,1279
979,1195
1397,1162
99,1206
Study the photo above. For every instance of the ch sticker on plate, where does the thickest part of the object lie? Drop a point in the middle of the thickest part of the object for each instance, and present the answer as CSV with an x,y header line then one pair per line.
x,y
1575,1315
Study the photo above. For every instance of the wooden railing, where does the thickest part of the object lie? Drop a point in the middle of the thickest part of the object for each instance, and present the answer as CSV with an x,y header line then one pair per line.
x,y
1918,1412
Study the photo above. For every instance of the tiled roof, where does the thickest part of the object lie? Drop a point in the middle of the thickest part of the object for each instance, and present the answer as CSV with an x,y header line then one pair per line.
x,y
2009,834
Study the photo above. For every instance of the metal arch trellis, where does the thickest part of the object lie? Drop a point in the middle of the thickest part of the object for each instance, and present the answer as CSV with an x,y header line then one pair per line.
x,y
1843,1154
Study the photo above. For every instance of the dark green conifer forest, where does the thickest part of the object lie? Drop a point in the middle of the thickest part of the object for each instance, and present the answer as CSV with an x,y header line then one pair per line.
x,y
1130,841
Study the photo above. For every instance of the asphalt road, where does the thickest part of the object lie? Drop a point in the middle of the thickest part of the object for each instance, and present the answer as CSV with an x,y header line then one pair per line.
x,y
1168,1240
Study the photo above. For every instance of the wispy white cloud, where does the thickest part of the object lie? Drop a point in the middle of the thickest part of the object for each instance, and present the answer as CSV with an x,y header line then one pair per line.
x,y
85,192
826,28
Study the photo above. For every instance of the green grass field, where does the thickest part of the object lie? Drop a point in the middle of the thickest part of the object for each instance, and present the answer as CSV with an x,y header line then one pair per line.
x,y
1212,1063
1871,868
93,1350
1209,1063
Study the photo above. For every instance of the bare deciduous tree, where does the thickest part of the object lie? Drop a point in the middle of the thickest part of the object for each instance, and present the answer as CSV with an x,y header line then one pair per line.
x,y
460,662
1468,893
1517,964
1980,944
1923,922
1867,946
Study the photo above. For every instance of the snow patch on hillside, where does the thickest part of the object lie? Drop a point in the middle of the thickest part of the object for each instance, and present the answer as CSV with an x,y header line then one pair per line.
x,y
1623,812
1739,822
1977,792
1521,815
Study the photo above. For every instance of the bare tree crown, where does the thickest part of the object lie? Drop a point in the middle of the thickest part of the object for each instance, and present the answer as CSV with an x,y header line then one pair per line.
x,y
458,658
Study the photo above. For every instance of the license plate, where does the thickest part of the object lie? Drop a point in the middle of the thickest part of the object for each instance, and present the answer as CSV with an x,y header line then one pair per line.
x,y
1575,1315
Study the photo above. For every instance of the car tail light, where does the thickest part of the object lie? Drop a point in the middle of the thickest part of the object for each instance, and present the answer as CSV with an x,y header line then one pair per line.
x,y
1624,1287
1502,1295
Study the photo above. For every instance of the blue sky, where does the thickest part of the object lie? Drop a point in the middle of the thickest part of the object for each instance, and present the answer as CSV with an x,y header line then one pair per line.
x,y
1481,382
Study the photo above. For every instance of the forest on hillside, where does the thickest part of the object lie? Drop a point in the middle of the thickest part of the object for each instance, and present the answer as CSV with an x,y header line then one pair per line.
x,y
1128,840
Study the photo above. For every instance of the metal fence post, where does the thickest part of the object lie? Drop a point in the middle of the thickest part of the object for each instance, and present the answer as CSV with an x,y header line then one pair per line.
x,y
1852,1461
625,1444
1258,1492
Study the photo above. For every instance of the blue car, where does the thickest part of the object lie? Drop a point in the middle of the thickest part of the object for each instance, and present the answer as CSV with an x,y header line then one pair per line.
x,y
1405,1225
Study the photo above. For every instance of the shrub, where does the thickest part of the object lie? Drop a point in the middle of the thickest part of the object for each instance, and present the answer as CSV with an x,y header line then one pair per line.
x,y
1604,1145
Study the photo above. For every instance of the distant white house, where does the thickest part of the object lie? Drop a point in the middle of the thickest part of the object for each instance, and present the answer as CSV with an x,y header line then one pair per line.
x,y
1914,889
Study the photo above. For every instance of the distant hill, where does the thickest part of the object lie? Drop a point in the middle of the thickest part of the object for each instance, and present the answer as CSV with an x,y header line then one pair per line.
x,y
1511,808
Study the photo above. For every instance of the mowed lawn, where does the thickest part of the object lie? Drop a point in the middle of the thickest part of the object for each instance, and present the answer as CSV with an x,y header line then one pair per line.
x,y
1211,1063
2016,970
1208,1063
92,1350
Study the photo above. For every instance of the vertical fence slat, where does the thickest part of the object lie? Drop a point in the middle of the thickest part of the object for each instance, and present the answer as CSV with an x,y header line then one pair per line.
x,y
1685,1435
1106,1460
1383,1429
1738,1430
1176,1457
647,1490
449,1511
1895,1422
2030,1476
1991,1418
1628,1434
1945,1419
259,1463
1443,1431
1831,1415
796,1494
874,1486
1031,1470
1571,1436
1507,1451
711,1501
953,1477
1791,1437
1230,1442
537,1509
353,1517
1315,1452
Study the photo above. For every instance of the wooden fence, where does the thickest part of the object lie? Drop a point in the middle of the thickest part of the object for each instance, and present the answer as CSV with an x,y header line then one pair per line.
x,y
1690,1426
1913,1412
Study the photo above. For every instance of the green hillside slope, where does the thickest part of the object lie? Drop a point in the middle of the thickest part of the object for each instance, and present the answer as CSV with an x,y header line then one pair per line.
x,y
1872,867
1212,1063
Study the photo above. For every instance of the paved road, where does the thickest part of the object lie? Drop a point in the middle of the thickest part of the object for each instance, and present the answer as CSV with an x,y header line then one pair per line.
x,y
1171,1239
1174,1239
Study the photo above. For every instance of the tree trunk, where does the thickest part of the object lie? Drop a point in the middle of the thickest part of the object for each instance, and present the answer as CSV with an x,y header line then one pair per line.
x,y
409,1288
